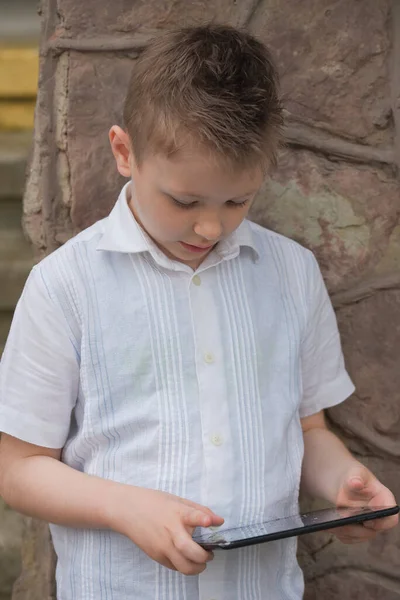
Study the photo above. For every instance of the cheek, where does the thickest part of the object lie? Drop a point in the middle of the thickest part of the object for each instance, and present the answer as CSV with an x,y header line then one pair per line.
x,y
170,224
235,217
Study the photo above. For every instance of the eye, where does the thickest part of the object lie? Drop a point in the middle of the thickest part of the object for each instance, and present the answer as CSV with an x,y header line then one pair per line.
x,y
237,204
183,205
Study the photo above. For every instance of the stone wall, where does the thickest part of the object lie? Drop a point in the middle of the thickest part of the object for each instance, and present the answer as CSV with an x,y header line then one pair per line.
x,y
10,541
336,191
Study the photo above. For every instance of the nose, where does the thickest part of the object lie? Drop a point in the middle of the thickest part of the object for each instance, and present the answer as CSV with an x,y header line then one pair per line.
x,y
208,228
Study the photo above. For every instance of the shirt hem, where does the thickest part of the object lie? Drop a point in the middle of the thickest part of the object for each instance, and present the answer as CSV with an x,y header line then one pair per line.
x,y
331,395
14,424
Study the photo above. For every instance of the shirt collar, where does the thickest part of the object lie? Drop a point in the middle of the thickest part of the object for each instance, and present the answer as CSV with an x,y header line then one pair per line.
x,y
122,233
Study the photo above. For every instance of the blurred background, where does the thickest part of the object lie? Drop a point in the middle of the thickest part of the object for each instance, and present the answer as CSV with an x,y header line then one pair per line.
x,y
19,34
19,38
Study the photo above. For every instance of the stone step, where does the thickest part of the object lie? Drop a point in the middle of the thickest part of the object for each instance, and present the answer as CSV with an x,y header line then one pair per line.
x,y
12,281
16,261
10,543
19,21
17,115
19,71
14,247
10,214
5,322
14,151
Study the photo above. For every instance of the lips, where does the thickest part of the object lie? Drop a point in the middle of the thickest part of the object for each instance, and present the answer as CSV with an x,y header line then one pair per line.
x,y
198,249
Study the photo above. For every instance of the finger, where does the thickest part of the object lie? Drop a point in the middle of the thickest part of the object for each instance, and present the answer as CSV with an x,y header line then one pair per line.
x,y
356,533
198,518
352,540
382,524
190,549
216,519
358,489
383,498
196,505
360,485
183,565
167,563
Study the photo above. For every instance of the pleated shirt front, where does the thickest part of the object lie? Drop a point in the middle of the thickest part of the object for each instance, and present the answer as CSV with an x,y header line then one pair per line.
x,y
192,382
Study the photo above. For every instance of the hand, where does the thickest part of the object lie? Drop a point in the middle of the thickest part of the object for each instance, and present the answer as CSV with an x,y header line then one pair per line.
x,y
162,526
360,487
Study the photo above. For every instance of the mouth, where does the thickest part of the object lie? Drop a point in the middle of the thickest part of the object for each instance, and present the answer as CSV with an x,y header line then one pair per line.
x,y
197,249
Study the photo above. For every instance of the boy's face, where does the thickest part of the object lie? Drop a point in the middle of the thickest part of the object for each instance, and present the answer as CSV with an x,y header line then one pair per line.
x,y
186,204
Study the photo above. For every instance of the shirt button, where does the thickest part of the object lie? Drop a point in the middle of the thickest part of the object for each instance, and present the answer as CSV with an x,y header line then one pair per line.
x,y
209,358
196,280
216,439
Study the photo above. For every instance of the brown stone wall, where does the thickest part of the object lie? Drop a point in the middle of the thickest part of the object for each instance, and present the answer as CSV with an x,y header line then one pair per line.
x,y
336,191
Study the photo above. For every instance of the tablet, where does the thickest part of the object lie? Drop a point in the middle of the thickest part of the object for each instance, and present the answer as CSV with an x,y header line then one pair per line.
x,y
276,529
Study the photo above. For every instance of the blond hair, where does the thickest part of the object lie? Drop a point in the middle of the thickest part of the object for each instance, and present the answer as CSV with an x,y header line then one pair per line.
x,y
213,85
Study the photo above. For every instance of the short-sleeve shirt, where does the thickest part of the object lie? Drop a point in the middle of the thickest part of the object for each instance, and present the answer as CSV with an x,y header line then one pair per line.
x,y
148,373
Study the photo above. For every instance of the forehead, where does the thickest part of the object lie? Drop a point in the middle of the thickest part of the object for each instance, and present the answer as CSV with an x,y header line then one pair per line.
x,y
198,174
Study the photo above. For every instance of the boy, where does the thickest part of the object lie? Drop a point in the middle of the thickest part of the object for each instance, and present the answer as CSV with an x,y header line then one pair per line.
x,y
168,367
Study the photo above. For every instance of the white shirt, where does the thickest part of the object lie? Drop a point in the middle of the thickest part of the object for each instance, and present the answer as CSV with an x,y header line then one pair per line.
x,y
193,383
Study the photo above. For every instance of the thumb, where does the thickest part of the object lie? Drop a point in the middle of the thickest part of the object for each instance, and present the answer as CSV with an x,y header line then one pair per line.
x,y
358,485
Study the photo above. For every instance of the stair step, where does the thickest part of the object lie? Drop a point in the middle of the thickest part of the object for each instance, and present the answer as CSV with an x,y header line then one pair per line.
x,y
14,151
12,278
19,72
5,322
10,215
10,548
14,246
16,261
19,21
17,115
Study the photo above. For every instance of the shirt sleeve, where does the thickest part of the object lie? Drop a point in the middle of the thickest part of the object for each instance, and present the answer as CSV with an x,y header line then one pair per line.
x,y
39,370
325,380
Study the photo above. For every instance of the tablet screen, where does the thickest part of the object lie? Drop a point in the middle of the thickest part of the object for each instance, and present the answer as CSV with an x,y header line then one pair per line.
x,y
314,520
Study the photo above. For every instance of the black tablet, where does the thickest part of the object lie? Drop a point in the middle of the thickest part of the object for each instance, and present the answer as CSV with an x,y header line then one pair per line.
x,y
290,526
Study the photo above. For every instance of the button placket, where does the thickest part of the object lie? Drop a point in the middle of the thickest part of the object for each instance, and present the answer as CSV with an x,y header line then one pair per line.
x,y
217,485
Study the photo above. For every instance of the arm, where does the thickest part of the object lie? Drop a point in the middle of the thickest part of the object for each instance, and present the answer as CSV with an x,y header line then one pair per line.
x,y
33,481
326,459
331,472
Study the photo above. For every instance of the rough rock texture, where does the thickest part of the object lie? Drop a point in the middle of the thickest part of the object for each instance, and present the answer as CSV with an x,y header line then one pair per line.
x,y
10,540
336,191
334,59
344,212
36,581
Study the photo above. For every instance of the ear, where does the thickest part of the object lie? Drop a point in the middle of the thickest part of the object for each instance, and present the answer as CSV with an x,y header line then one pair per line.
x,y
121,148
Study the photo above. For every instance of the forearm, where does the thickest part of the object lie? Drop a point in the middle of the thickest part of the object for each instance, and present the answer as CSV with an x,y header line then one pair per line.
x,y
326,460
45,488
